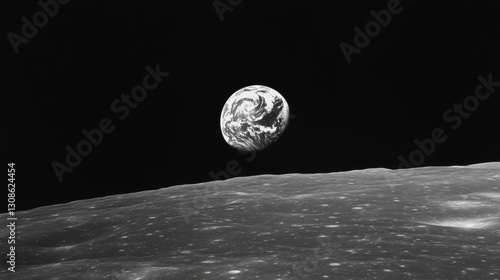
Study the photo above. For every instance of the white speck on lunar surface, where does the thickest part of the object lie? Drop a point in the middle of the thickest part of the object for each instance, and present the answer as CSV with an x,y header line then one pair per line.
x,y
445,224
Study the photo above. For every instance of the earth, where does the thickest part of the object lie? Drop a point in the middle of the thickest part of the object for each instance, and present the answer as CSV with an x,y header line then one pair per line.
x,y
420,223
254,117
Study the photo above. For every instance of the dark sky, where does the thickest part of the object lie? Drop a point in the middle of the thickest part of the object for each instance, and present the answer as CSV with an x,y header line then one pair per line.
x,y
346,116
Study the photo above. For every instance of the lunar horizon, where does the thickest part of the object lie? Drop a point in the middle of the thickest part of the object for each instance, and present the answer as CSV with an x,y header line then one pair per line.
x,y
234,140
419,223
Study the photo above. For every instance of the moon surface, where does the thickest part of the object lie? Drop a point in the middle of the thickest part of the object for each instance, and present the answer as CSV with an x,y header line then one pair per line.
x,y
421,223
254,117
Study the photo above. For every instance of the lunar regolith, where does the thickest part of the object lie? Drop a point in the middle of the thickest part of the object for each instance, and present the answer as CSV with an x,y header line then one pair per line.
x,y
421,223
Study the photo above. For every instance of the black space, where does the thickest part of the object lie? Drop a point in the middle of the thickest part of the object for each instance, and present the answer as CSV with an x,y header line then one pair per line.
x,y
345,116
